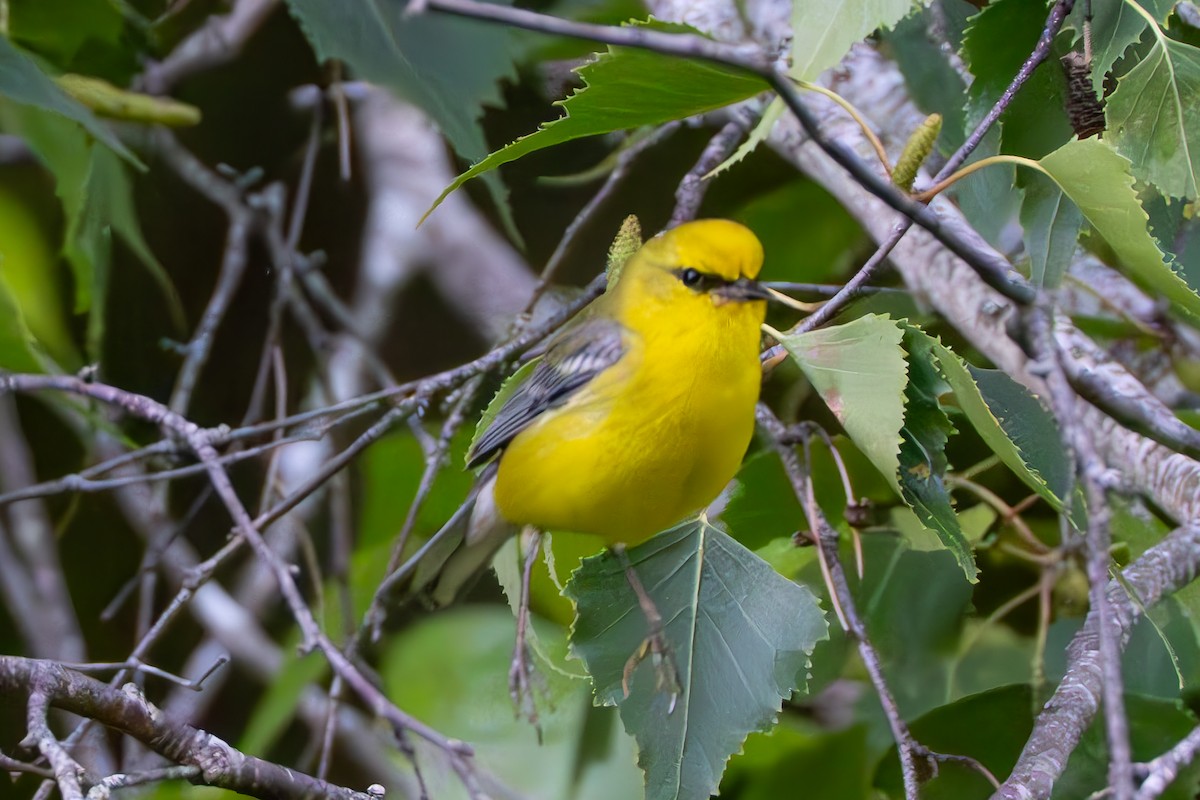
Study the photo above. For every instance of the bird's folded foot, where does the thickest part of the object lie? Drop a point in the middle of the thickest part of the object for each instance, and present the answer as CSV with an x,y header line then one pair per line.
x,y
666,674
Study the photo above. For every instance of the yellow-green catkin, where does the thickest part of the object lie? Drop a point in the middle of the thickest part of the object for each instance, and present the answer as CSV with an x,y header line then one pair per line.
x,y
916,150
627,242
116,103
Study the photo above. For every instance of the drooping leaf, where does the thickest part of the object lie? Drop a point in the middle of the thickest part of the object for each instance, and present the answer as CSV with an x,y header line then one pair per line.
x,y
1097,179
823,30
450,68
624,89
1051,224
1154,117
22,81
740,637
97,200
1114,27
33,320
923,452
1012,422
860,372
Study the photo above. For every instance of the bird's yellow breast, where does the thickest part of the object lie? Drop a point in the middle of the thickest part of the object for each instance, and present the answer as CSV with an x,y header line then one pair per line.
x,y
653,438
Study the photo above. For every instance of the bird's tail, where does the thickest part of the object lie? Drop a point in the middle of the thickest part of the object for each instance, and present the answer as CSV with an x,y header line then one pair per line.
x,y
453,558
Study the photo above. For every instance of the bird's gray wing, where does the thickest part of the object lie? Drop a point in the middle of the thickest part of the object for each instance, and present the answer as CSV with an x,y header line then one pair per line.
x,y
571,362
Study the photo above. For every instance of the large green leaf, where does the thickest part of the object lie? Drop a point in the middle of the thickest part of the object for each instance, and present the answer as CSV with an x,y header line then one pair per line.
x,y
624,89
860,372
740,636
1051,224
450,68
1154,116
823,30
923,452
1114,27
1098,180
22,81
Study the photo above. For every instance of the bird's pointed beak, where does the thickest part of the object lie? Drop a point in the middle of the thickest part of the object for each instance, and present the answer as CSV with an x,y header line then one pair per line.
x,y
742,290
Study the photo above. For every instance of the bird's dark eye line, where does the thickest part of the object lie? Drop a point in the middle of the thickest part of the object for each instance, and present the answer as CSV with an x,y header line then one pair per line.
x,y
699,281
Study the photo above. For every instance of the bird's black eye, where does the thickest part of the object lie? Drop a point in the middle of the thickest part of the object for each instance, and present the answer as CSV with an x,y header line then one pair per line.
x,y
691,277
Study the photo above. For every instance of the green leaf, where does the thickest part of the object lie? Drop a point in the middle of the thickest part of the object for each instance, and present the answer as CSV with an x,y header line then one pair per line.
x,y
509,565
276,708
1051,224
740,636
97,200
818,246
1097,179
998,41
1012,422
1114,27
770,764
624,89
450,670
860,372
922,453
510,385
33,320
824,30
17,345
1154,116
450,68
757,136
932,80
991,727
1154,727
23,82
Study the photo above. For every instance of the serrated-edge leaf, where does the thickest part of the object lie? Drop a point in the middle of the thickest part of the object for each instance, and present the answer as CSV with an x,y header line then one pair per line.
x,y
707,88
823,352
922,454
971,401
757,136
22,81
824,30
508,566
1114,27
694,594
1152,116
1098,179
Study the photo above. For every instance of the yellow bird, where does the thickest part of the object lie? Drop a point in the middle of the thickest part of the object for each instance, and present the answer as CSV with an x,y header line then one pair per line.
x,y
638,415
641,414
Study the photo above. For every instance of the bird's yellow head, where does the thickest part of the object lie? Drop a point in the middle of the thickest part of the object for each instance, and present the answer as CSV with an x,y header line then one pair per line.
x,y
699,270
